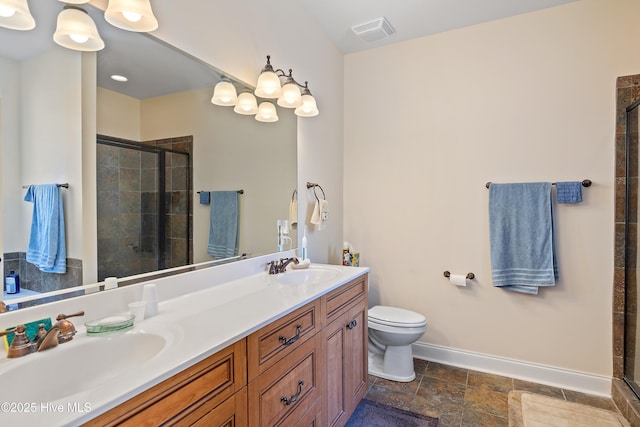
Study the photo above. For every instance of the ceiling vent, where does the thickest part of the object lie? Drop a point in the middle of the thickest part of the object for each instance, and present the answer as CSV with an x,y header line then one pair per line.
x,y
375,30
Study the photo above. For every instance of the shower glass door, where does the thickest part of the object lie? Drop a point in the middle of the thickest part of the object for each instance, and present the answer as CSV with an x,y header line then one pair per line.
x,y
143,208
632,210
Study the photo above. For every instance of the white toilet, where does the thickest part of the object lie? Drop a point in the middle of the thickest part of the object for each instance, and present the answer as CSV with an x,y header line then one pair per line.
x,y
392,330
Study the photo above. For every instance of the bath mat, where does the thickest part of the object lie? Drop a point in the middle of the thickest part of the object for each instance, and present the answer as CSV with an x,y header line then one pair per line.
x,y
374,414
535,410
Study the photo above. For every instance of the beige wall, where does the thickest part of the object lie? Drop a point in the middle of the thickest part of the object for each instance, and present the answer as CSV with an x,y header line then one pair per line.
x,y
529,98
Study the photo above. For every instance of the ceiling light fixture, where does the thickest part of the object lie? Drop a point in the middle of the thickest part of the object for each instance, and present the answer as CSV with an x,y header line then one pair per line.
x,y
119,78
15,15
289,95
75,29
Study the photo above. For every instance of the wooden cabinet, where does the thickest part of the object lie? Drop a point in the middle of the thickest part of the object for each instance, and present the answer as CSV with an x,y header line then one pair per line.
x,y
306,369
345,342
188,395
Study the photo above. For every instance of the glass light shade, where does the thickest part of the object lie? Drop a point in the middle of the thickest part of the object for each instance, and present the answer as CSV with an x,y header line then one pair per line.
x,y
74,1
268,85
224,94
291,97
308,107
15,15
131,15
76,30
246,104
267,112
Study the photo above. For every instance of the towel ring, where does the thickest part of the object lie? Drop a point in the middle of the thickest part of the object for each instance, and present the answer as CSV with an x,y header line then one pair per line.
x,y
470,276
294,194
313,185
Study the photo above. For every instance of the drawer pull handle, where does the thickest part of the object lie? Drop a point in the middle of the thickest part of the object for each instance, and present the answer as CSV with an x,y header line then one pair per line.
x,y
293,339
288,401
352,324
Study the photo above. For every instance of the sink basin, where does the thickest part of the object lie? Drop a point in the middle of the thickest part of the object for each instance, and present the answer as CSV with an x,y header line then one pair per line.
x,y
309,275
77,366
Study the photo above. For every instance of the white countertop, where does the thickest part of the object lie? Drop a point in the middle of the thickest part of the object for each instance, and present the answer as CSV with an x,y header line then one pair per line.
x,y
195,325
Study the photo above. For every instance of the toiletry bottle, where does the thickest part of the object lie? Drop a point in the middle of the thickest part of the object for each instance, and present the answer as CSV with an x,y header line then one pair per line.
x,y
12,283
346,255
304,244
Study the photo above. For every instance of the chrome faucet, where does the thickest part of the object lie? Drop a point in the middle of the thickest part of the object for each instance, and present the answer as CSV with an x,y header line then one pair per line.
x,y
276,267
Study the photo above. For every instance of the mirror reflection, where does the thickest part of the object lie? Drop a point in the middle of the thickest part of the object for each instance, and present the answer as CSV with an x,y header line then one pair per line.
x,y
155,141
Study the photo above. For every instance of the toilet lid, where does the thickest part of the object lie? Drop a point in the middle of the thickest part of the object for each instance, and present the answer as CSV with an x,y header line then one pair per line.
x,y
395,316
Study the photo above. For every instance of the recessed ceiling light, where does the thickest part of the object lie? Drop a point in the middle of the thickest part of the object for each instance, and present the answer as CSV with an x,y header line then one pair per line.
x,y
119,78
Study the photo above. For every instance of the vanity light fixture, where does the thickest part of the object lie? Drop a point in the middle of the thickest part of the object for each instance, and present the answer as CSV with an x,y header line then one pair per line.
x,y
131,15
224,93
247,104
288,95
267,112
15,15
75,28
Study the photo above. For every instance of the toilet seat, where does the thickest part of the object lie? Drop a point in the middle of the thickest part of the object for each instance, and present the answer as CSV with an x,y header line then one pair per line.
x,y
396,317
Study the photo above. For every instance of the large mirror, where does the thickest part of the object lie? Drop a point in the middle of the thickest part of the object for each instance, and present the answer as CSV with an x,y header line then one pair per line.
x,y
120,146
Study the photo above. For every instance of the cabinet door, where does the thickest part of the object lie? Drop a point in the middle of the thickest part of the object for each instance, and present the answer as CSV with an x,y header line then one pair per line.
x,y
356,356
345,346
334,342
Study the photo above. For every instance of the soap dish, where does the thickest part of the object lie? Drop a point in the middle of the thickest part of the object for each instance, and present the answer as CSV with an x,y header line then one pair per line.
x,y
116,323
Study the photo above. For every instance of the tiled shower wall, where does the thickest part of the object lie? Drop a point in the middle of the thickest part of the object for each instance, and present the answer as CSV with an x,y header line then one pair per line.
x,y
127,241
625,291
35,280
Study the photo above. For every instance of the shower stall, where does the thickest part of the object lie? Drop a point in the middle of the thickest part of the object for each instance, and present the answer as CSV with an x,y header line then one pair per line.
x,y
143,213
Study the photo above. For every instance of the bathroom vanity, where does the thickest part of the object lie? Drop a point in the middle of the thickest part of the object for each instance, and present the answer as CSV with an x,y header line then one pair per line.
x,y
287,349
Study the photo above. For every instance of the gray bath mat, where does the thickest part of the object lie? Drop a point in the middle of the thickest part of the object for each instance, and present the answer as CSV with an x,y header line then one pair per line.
x,y
374,414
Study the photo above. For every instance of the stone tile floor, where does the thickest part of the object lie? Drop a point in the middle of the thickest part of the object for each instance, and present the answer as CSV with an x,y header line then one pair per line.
x,y
463,397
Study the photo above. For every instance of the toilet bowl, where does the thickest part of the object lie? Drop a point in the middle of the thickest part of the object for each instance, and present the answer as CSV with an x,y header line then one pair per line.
x,y
392,330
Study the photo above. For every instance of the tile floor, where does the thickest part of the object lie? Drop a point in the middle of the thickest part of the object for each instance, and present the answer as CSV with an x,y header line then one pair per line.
x,y
463,397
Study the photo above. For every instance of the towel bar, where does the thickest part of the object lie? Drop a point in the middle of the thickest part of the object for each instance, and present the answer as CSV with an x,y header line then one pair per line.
x,y
470,276
65,185
585,183
239,192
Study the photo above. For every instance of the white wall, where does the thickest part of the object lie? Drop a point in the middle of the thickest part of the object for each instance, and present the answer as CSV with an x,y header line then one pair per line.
x,y
43,137
236,37
528,98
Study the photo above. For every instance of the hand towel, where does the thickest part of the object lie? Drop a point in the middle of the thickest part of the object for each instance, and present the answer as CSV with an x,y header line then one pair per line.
x,y
320,214
293,209
47,248
205,197
521,236
224,222
569,192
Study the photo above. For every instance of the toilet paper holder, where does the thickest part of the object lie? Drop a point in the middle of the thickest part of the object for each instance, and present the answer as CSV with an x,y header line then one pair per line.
x,y
470,276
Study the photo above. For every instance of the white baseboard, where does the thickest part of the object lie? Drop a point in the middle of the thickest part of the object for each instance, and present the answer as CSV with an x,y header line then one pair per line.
x,y
562,378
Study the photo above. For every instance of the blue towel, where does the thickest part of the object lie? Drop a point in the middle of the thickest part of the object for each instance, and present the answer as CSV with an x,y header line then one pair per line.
x,y
225,218
569,192
521,236
205,197
47,249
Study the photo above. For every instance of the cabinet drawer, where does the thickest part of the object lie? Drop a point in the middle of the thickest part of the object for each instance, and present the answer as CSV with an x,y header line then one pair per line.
x,y
338,301
289,390
271,343
208,382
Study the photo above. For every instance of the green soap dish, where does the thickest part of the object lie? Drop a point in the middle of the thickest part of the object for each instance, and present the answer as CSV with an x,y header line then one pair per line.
x,y
116,323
